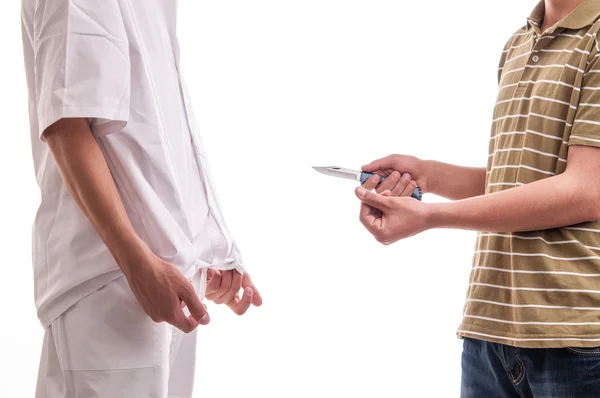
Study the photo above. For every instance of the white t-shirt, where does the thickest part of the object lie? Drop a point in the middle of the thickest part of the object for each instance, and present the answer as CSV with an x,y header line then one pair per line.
x,y
116,62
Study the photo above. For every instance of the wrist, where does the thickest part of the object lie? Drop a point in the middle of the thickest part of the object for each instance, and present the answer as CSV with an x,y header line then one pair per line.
x,y
427,183
130,253
440,215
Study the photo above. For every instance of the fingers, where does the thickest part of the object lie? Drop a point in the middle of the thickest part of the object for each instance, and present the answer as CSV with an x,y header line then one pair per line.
x,y
370,214
236,284
195,306
374,200
390,182
184,323
256,298
370,217
240,306
213,282
367,211
228,291
372,182
396,183
400,187
226,280
409,189
218,292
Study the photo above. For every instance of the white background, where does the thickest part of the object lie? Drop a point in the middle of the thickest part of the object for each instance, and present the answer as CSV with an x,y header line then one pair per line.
x,y
279,86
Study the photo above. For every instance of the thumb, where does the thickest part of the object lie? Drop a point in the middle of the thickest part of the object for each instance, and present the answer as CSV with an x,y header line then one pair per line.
x,y
386,193
195,306
372,199
379,164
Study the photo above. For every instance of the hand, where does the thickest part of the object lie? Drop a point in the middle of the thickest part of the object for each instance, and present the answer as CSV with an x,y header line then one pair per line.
x,y
163,292
396,184
402,165
390,219
222,287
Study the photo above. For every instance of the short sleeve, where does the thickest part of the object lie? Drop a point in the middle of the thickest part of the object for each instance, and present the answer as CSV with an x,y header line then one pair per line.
x,y
81,61
586,126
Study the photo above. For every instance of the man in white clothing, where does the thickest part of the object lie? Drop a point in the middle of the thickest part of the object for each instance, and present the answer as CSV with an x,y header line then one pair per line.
x,y
129,236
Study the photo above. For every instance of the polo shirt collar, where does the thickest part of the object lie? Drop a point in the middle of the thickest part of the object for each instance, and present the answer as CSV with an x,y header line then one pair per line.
x,y
583,15
537,15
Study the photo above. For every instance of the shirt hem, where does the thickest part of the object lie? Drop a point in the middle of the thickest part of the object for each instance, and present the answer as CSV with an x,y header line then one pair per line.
x,y
530,340
49,311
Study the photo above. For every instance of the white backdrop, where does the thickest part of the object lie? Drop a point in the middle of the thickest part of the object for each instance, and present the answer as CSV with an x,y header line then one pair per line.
x,y
279,86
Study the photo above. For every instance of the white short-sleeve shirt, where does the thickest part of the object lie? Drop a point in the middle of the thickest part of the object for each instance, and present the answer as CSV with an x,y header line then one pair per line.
x,y
116,62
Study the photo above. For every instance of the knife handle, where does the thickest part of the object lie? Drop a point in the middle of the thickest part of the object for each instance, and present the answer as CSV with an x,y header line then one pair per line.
x,y
417,193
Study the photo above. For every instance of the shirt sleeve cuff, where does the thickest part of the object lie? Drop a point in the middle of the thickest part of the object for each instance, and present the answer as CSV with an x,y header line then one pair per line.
x,y
235,264
103,121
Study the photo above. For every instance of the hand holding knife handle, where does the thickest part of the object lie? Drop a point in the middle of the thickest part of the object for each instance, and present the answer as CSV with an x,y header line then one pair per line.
x,y
417,193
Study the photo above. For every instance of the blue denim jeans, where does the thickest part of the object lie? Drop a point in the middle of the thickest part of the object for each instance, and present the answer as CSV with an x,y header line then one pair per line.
x,y
491,370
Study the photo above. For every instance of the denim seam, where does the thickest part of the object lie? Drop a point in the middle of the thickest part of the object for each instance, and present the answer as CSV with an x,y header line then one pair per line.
x,y
509,374
506,368
522,372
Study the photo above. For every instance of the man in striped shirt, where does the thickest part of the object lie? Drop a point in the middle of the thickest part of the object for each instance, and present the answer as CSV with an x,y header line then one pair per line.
x,y
531,323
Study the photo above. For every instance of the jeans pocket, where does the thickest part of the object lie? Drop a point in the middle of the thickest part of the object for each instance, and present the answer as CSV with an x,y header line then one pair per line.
x,y
585,351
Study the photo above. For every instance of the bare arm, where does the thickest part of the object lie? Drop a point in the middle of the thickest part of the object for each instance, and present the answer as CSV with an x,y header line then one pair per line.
x,y
90,183
454,182
566,199
158,286
569,198
443,179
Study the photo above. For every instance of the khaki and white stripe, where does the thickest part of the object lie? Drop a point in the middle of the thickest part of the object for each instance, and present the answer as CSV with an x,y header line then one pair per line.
x,y
541,288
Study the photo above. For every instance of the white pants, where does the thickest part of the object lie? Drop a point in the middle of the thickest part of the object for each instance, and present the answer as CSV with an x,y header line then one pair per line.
x,y
105,346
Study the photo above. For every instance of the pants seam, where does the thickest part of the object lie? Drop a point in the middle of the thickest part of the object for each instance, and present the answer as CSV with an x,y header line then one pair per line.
x,y
521,366
504,364
507,371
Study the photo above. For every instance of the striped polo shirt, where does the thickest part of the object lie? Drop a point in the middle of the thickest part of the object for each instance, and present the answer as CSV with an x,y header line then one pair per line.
x,y
541,288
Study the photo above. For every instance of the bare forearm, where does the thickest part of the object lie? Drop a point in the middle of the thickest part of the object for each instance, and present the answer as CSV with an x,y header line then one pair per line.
x,y
88,179
550,203
454,182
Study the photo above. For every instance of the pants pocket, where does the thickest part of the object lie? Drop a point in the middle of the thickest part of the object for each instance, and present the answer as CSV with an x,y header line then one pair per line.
x,y
108,330
585,351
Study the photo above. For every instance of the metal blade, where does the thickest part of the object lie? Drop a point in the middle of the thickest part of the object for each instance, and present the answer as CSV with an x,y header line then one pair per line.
x,y
339,172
